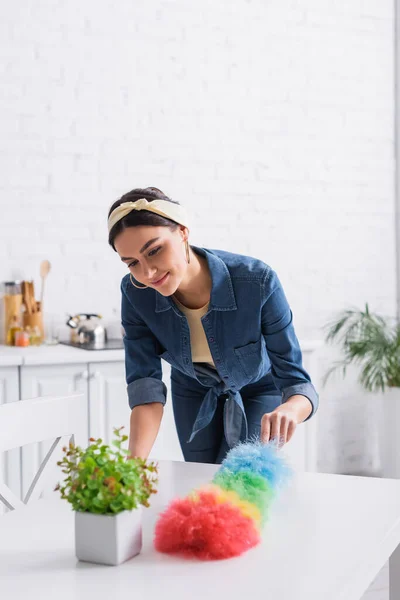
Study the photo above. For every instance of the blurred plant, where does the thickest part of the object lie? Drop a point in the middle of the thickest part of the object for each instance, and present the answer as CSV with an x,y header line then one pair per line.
x,y
370,341
101,479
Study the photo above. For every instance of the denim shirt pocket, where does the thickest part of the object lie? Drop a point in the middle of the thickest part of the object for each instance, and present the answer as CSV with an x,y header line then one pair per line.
x,y
251,358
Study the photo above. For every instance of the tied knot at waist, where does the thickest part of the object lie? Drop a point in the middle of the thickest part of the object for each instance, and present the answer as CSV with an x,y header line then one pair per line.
x,y
234,414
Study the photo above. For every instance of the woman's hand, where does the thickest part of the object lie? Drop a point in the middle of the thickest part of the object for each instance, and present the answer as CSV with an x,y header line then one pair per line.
x,y
281,423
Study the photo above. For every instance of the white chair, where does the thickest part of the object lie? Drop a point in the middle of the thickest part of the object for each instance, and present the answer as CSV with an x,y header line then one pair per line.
x,y
36,420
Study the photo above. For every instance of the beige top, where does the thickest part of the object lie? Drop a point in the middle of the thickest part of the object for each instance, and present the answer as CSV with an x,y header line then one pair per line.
x,y
198,341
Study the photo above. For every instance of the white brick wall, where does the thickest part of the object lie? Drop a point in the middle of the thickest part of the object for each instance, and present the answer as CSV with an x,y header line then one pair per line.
x,y
272,121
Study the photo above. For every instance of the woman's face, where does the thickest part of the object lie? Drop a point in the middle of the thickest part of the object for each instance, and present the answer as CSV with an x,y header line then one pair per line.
x,y
155,256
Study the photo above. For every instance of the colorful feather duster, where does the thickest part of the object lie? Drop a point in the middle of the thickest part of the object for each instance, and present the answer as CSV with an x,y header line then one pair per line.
x,y
224,518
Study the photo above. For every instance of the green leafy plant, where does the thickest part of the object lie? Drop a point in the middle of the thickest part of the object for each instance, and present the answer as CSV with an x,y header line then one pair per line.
x,y
370,341
101,479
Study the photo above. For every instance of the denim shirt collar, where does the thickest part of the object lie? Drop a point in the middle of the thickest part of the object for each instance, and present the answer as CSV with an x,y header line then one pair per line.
x,y
222,296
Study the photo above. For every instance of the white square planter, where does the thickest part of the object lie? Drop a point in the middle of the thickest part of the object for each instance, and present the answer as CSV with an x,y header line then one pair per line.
x,y
108,539
390,433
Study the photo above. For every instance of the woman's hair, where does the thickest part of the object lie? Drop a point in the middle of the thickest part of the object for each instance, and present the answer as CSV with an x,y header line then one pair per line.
x,y
140,217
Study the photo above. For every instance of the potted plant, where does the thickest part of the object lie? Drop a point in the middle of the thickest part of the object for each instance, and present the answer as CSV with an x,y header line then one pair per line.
x,y
107,491
372,342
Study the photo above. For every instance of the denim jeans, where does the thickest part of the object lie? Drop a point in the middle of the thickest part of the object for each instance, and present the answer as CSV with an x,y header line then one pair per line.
x,y
209,445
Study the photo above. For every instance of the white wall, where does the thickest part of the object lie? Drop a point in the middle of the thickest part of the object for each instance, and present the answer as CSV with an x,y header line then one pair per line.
x,y
272,121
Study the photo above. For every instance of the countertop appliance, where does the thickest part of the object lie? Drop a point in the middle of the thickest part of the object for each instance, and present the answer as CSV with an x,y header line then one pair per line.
x,y
112,344
86,328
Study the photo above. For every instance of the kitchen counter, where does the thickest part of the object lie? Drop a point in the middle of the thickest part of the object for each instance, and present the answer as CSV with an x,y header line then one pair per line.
x,y
53,355
60,354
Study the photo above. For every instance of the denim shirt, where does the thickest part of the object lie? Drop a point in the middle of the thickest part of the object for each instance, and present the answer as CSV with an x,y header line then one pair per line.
x,y
250,333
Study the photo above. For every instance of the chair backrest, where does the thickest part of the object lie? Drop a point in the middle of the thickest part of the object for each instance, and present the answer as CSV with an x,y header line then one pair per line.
x,y
36,420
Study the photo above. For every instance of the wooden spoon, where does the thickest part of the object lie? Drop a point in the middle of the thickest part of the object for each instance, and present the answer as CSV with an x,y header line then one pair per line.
x,y
45,267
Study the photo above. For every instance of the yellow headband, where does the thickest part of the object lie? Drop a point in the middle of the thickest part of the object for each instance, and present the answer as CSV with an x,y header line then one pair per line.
x,y
176,212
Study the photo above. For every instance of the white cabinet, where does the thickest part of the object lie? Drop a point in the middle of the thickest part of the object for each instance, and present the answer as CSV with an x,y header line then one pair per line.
x,y
10,461
167,444
108,401
47,380
109,408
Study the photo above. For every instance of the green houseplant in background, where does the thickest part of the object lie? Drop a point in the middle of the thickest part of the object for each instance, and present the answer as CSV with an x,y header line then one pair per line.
x,y
372,343
107,491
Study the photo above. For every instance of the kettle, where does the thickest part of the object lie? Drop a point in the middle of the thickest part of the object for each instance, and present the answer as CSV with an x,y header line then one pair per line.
x,y
87,329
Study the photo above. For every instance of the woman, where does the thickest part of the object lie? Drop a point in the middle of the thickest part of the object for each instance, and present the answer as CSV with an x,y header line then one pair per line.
x,y
222,322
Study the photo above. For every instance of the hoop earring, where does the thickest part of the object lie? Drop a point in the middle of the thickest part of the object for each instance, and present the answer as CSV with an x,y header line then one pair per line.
x,y
187,252
139,287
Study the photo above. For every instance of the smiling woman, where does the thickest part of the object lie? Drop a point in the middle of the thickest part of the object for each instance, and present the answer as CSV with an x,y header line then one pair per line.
x,y
150,222
223,323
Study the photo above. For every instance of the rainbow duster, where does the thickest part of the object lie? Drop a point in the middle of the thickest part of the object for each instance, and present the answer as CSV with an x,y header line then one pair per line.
x,y
224,518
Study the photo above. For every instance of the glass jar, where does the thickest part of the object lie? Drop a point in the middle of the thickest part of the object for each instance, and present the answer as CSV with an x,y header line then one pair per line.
x,y
11,305
21,338
13,328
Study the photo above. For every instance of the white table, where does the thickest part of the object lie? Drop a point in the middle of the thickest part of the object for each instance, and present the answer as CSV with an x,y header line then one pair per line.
x,y
328,537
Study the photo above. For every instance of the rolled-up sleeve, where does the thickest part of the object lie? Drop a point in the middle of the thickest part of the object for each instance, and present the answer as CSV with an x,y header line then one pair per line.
x,y
142,363
282,344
